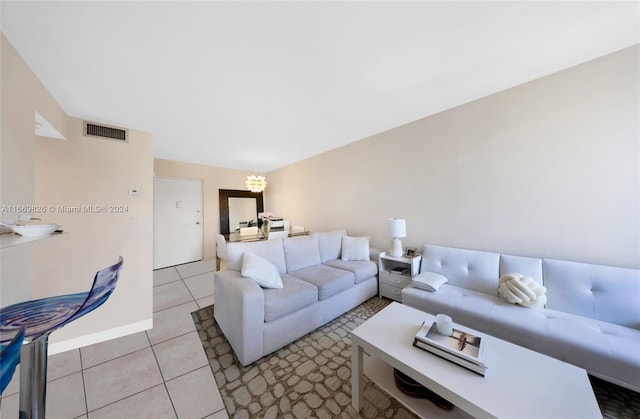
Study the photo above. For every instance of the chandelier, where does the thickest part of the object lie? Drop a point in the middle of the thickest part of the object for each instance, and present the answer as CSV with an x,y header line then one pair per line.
x,y
256,183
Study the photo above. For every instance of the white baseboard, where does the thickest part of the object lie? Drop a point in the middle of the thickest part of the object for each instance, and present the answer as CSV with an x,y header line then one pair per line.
x,y
90,339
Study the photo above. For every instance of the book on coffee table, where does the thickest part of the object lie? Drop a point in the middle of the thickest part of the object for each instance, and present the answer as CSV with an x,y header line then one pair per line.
x,y
461,347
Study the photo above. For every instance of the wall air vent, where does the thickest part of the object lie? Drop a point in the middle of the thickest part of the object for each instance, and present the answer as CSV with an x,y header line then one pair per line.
x,y
91,129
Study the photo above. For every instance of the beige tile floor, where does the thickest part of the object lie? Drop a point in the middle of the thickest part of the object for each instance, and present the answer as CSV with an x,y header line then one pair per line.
x,y
160,373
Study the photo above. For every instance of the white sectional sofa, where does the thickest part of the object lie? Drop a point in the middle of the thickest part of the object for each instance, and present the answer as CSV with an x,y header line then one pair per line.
x,y
591,318
318,287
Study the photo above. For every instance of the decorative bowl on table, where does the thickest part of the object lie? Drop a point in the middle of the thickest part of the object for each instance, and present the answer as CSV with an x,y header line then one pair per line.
x,y
35,230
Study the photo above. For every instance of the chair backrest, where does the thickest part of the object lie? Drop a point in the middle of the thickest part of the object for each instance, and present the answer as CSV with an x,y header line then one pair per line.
x,y
9,358
103,285
221,246
244,231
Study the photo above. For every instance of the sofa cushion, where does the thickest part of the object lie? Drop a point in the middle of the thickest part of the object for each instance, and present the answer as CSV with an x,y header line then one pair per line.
x,y
519,325
260,270
360,268
604,293
330,243
471,269
531,267
301,252
625,346
295,294
597,346
355,248
330,281
271,250
466,307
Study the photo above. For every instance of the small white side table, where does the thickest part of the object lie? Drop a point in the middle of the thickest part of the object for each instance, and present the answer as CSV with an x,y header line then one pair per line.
x,y
391,283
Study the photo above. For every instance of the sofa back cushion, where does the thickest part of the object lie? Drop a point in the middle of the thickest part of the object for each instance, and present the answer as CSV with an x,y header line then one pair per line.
x,y
301,252
604,293
330,244
471,269
526,266
271,250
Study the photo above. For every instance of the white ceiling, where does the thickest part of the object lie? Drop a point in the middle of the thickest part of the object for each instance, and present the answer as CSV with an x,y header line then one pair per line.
x,y
259,85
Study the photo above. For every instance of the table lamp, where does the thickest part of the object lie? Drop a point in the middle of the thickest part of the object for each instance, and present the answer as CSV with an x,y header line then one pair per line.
x,y
398,229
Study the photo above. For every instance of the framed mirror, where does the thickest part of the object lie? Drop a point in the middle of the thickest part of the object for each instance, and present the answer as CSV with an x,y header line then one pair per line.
x,y
238,209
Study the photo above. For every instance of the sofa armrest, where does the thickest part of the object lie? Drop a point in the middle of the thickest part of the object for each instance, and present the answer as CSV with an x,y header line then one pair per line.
x,y
238,306
374,254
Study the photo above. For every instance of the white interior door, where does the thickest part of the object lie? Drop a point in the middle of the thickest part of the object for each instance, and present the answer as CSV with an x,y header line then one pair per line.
x,y
177,221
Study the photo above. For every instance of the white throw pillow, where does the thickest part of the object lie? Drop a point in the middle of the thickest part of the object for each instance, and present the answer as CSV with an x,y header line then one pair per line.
x,y
355,248
429,281
261,270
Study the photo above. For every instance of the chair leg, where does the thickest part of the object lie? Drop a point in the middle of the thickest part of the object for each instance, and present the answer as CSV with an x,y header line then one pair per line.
x,y
33,378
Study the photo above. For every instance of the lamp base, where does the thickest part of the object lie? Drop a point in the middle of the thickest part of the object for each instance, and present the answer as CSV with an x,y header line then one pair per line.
x,y
396,248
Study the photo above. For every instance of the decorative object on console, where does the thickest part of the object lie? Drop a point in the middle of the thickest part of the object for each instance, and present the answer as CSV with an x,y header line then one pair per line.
x,y
398,230
256,183
266,218
522,290
277,224
410,252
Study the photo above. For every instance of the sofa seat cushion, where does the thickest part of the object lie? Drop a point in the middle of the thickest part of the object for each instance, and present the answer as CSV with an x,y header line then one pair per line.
x,y
295,294
625,347
466,307
329,281
597,346
523,326
361,269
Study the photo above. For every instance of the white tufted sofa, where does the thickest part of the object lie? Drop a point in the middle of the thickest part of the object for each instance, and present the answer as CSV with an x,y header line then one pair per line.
x,y
591,318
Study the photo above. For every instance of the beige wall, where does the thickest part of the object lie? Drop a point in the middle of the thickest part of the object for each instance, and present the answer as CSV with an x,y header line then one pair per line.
x,y
74,172
549,168
22,95
213,178
89,171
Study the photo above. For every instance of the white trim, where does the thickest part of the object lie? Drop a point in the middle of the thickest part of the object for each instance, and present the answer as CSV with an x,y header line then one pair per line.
x,y
90,339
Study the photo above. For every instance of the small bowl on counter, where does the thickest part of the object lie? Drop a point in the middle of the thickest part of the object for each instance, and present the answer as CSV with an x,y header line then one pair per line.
x,y
35,230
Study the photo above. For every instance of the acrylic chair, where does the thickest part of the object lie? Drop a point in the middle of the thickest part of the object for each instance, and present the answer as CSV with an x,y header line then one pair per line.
x,y
9,358
40,318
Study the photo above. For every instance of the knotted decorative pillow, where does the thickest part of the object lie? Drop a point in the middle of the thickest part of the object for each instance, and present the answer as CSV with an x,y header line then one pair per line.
x,y
523,290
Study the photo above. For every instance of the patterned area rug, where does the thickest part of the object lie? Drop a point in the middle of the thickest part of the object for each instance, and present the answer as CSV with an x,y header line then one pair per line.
x,y
312,376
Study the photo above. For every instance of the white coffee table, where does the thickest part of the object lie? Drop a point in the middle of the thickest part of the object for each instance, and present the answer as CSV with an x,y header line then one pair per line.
x,y
519,382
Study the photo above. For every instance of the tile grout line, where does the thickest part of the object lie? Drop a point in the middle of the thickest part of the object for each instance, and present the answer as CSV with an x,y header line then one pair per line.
x,y
164,383
84,384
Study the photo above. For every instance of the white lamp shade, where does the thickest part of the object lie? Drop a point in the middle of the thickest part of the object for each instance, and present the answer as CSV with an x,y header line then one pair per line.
x,y
397,227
